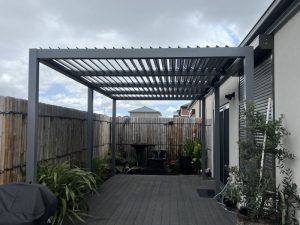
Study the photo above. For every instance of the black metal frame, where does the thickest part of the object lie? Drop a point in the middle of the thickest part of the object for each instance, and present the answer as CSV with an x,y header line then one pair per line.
x,y
136,74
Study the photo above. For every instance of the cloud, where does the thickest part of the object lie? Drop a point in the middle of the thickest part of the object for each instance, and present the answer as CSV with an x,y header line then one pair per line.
x,y
114,23
171,109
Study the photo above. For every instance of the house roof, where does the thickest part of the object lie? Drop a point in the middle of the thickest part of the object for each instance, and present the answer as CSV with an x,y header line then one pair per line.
x,y
185,106
277,13
192,103
144,109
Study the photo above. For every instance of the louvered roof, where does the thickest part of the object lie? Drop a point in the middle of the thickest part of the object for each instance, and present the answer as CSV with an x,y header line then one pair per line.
x,y
145,74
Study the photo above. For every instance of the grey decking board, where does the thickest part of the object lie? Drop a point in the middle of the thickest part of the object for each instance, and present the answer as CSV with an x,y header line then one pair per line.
x,y
128,205
156,200
145,203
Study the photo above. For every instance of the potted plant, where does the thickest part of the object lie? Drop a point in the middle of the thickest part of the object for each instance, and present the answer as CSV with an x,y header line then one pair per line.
x,y
197,157
191,156
231,194
258,194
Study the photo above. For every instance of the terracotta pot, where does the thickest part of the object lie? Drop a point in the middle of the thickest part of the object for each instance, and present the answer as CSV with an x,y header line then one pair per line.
x,y
244,220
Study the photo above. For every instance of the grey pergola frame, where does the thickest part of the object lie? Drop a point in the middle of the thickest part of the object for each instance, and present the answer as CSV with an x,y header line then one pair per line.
x,y
160,85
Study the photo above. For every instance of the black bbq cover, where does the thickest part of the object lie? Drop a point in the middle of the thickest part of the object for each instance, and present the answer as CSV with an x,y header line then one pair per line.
x,y
26,204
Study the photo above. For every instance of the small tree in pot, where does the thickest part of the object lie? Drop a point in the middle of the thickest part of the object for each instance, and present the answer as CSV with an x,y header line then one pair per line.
x,y
257,189
190,160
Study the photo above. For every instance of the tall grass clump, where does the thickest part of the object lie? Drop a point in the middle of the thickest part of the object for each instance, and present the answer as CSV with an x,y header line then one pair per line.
x,y
71,185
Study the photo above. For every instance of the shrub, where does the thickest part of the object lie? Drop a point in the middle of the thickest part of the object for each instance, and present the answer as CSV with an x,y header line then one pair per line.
x,y
102,170
70,184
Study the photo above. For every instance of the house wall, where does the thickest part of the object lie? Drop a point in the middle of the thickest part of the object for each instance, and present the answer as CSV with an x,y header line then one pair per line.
x,y
209,106
286,86
230,86
197,109
184,112
144,115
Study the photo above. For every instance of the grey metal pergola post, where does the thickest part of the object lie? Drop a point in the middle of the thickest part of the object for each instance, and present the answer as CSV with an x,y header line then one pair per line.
x,y
90,129
249,76
203,136
113,136
32,119
217,138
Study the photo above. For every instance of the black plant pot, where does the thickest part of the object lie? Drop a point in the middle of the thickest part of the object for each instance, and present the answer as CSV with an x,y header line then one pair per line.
x,y
229,203
186,166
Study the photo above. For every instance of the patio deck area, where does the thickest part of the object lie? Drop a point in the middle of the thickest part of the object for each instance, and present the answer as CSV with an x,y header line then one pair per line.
x,y
157,200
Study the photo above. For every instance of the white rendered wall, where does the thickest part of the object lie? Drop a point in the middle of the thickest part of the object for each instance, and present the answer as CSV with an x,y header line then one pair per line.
x,y
287,86
209,105
196,107
230,86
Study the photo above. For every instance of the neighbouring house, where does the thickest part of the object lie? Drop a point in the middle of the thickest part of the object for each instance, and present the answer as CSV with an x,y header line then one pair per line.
x,y
275,39
144,112
182,111
194,109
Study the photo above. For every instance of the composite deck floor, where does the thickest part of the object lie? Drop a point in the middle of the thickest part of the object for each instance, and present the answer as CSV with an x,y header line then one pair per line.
x,y
156,200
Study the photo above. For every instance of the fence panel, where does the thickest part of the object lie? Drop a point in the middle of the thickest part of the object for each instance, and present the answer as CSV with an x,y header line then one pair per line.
x,y
165,133
61,136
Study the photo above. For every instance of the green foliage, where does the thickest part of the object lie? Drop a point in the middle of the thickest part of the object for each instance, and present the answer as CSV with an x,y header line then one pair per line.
x,y
70,184
197,156
188,147
192,148
232,191
257,192
120,161
101,169
289,198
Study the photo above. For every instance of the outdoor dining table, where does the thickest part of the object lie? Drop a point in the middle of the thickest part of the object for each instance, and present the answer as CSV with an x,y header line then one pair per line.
x,y
140,155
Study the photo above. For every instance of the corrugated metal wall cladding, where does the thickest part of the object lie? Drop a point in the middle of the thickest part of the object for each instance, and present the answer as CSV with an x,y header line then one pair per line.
x,y
263,90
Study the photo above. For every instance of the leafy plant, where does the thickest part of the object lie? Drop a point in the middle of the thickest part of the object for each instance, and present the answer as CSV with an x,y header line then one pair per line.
x,y
70,184
256,185
188,147
289,199
197,156
232,191
101,169
192,148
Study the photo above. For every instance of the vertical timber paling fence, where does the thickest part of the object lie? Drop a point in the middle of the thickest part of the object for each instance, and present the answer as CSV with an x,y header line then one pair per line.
x,y
165,133
61,136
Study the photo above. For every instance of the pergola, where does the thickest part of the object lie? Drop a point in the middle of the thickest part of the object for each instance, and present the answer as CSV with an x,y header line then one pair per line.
x,y
138,74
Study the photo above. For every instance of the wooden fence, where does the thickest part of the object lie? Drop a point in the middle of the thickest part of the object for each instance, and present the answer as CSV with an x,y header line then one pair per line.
x,y
165,133
61,136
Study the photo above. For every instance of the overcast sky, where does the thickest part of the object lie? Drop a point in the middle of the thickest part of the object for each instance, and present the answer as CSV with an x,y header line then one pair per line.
x,y
28,24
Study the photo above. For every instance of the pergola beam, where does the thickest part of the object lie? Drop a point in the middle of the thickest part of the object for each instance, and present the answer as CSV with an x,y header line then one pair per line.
x,y
191,91
158,98
150,85
224,52
158,74
62,70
